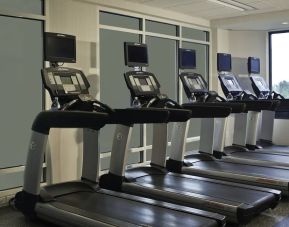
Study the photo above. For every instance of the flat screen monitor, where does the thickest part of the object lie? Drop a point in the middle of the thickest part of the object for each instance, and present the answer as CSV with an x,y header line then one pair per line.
x,y
187,58
59,47
254,65
224,62
136,54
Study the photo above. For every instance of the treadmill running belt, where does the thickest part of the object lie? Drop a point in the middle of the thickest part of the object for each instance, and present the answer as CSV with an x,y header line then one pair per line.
x,y
258,171
231,194
132,211
276,148
261,156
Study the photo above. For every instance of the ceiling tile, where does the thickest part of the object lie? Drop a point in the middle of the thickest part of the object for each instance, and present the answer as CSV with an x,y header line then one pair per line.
x,y
213,11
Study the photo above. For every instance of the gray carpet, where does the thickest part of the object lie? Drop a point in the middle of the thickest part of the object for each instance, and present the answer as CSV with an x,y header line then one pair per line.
x,y
279,217
12,218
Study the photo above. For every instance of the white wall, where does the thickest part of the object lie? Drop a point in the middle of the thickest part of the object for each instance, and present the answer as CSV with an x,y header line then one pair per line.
x,y
250,43
79,19
220,44
280,132
240,44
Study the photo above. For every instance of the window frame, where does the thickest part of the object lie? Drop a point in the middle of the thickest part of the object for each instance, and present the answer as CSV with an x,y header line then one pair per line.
x,y
278,114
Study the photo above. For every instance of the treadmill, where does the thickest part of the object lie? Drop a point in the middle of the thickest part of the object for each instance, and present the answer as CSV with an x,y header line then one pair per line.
x,y
238,202
262,91
204,163
259,156
83,202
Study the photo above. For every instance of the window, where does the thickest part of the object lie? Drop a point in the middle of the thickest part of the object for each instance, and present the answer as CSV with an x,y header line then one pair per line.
x,y
117,20
190,33
27,6
21,43
279,68
161,28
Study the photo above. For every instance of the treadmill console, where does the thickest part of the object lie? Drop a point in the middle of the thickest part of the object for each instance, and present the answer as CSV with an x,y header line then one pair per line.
x,y
193,84
64,83
143,85
260,86
230,85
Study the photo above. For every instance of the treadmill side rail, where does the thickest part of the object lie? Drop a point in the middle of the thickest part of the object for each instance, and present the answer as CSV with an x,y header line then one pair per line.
x,y
56,215
33,169
241,178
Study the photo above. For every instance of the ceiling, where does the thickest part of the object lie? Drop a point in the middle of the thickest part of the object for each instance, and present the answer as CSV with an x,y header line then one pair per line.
x,y
216,12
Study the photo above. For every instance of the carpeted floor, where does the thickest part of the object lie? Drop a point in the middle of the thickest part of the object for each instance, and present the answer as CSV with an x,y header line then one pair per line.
x,y
279,217
11,218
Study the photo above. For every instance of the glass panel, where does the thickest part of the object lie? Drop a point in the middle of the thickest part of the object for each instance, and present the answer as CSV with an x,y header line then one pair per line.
x,y
194,146
162,62
20,81
133,157
279,59
162,28
27,6
148,155
20,64
114,91
194,130
118,20
191,33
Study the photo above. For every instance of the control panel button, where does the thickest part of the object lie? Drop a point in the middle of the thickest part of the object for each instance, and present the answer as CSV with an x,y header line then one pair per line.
x,y
80,80
51,78
69,88
145,88
153,82
58,80
74,80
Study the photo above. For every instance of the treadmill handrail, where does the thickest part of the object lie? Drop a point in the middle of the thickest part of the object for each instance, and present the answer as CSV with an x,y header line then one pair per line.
x,y
284,105
235,107
255,105
46,120
131,116
205,110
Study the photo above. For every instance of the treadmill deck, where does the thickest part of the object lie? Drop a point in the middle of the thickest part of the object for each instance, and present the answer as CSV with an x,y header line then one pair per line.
x,y
250,170
262,156
236,201
92,204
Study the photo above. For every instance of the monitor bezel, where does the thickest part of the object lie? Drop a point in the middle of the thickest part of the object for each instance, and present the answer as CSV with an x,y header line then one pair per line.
x,y
59,59
219,55
181,50
250,60
135,64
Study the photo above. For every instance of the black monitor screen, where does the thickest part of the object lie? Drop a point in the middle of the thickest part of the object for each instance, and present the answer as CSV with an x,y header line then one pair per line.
x,y
59,47
224,62
136,54
187,58
253,65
